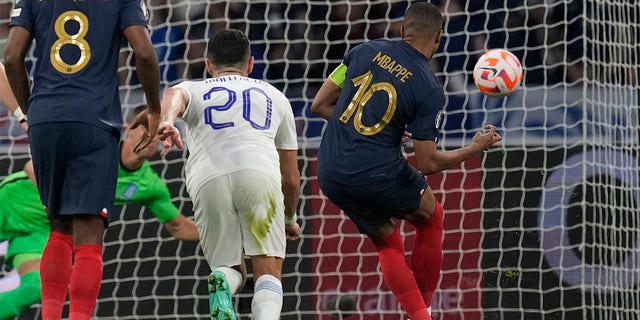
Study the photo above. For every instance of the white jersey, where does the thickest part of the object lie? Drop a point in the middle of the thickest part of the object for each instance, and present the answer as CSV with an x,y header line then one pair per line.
x,y
235,123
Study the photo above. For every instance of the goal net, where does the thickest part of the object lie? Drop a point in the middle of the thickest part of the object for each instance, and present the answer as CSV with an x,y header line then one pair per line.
x,y
545,227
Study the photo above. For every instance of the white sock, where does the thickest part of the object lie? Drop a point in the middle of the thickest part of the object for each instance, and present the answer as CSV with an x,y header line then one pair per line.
x,y
234,278
267,298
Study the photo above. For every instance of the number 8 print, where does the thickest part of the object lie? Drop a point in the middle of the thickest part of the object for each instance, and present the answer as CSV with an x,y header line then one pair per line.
x,y
77,40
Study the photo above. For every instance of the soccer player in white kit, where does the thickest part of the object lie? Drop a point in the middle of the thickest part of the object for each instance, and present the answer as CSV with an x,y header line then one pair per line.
x,y
242,172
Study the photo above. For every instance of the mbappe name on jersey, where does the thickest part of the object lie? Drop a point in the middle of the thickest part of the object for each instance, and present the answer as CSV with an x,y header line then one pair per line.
x,y
387,63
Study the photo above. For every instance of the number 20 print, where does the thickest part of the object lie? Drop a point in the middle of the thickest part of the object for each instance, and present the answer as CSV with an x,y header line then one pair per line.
x,y
210,112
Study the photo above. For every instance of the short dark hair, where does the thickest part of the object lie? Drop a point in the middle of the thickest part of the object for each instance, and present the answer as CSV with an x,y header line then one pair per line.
x,y
424,18
228,48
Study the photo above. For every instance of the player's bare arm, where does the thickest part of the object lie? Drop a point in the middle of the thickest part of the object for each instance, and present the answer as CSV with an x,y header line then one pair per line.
x,y
325,100
149,75
430,160
291,190
182,228
17,46
9,99
28,168
129,158
174,103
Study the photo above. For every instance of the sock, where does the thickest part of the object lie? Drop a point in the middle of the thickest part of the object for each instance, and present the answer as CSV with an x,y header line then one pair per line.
x,y
55,273
267,298
398,276
85,281
234,278
15,302
426,260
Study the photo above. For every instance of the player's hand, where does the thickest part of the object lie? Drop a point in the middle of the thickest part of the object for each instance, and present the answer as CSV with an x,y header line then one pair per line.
x,y
485,140
293,231
406,136
170,136
24,126
150,121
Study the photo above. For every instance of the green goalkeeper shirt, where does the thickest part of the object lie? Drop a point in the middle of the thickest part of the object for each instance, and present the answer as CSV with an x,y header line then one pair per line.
x,y
144,186
21,210
24,223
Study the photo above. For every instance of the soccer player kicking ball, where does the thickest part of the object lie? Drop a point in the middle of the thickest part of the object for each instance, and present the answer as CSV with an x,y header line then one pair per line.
x,y
242,172
24,224
381,89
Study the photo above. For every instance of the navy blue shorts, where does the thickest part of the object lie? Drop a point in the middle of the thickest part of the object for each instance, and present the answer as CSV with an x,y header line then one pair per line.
x,y
76,167
370,206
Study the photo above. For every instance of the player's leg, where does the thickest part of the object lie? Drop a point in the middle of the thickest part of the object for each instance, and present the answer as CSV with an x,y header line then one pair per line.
x,y
267,292
370,208
87,196
86,277
426,259
24,255
16,301
395,271
47,151
221,241
55,270
260,204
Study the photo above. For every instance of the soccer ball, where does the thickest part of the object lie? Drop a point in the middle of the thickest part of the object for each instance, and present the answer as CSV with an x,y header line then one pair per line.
x,y
497,73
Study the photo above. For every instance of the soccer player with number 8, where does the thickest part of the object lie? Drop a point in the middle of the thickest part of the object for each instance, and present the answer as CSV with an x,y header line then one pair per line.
x,y
74,128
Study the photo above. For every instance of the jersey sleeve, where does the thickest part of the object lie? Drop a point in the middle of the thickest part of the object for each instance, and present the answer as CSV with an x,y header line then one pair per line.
x,y
134,12
160,204
286,136
21,15
426,124
188,115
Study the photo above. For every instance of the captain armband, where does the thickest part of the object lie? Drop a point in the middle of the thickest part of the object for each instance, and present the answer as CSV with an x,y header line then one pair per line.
x,y
339,75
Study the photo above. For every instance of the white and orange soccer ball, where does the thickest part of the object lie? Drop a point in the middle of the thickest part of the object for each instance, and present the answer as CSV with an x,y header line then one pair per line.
x,y
498,73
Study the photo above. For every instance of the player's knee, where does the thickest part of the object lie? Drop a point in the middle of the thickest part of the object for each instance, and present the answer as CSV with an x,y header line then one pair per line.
x,y
263,265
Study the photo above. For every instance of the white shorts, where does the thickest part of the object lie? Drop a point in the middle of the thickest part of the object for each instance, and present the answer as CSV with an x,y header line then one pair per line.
x,y
240,213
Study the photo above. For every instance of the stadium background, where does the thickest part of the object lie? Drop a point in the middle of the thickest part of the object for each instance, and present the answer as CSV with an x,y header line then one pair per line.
x,y
544,228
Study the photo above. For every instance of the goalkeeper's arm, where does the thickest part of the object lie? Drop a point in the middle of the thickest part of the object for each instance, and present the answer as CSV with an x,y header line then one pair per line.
x,y
182,228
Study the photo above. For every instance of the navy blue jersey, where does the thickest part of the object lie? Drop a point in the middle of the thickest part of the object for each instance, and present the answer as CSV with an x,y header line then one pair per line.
x,y
76,46
389,88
